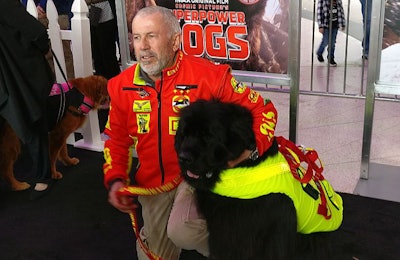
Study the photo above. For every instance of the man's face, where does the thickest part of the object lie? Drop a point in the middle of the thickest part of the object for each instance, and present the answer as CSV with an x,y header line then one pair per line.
x,y
154,46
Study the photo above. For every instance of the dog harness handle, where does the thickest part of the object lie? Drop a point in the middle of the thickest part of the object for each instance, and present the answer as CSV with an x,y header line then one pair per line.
x,y
305,165
136,191
59,88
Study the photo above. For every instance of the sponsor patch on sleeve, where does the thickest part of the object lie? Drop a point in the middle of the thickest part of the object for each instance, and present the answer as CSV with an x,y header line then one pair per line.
x,y
238,87
253,96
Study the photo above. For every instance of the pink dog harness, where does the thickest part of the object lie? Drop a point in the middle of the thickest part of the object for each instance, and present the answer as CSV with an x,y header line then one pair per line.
x,y
62,88
59,88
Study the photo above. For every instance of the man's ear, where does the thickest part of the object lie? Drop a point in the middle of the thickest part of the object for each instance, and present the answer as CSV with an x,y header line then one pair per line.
x,y
176,41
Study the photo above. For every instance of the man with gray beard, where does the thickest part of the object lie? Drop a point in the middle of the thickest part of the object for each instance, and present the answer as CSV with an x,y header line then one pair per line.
x,y
144,112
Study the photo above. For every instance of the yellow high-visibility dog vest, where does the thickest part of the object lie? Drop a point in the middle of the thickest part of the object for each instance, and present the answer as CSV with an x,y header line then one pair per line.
x,y
273,175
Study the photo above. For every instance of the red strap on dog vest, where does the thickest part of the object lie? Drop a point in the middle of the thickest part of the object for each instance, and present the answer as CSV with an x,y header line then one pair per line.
x,y
304,168
136,191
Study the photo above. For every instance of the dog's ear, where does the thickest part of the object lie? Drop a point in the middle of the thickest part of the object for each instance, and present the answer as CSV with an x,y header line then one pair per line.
x,y
94,87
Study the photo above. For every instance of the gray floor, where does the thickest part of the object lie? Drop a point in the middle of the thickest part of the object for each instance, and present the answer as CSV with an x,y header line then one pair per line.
x,y
334,125
382,183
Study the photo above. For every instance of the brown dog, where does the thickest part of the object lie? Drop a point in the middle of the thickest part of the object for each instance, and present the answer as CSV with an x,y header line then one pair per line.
x,y
10,149
92,90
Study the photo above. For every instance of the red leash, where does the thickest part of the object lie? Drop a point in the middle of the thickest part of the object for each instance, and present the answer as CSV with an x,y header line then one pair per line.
x,y
135,191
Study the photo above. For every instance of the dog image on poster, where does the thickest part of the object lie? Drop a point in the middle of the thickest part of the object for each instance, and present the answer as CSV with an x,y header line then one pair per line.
x,y
273,206
248,35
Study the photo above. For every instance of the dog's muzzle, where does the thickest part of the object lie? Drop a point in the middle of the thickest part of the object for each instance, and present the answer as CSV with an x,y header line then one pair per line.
x,y
186,160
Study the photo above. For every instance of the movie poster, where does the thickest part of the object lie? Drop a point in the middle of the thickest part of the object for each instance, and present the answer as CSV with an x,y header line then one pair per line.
x,y
249,35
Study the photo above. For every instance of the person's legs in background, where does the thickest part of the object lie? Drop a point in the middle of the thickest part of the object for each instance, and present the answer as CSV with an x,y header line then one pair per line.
x,y
104,55
104,49
366,6
39,150
322,45
331,46
64,22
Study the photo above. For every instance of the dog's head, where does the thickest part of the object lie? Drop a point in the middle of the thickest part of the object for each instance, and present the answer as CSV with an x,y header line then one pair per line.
x,y
210,134
93,87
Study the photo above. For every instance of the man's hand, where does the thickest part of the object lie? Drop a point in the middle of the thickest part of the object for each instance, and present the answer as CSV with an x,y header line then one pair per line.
x,y
244,156
125,204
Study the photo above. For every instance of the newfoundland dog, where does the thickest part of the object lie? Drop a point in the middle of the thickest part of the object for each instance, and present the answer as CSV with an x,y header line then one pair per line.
x,y
258,209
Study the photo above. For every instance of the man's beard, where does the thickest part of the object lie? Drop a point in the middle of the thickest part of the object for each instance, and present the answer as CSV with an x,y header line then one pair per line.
x,y
155,69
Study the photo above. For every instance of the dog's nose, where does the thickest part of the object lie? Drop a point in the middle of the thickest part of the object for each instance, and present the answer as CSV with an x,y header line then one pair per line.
x,y
185,159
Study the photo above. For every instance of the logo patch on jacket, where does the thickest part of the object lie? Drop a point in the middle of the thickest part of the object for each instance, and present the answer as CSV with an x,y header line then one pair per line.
x,y
141,106
173,124
179,102
238,87
142,121
253,96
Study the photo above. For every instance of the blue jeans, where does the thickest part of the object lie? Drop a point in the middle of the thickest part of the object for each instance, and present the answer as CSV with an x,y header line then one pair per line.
x,y
325,42
367,23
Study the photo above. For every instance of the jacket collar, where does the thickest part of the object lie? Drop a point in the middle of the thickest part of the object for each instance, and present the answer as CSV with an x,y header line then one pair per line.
x,y
141,79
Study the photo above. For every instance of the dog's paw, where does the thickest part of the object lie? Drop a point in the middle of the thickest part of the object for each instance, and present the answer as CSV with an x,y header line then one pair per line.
x,y
56,175
70,161
74,161
18,186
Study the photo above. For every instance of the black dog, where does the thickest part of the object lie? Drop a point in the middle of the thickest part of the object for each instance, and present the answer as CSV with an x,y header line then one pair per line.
x,y
210,134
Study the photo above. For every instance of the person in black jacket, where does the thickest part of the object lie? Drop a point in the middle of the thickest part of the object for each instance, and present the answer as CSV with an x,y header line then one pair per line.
x,y
25,83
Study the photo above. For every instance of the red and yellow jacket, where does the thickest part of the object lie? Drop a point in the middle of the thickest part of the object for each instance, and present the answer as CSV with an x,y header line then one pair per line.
x,y
145,117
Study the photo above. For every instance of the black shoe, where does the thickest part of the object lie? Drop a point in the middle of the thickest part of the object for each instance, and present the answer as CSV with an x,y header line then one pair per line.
x,y
333,63
364,57
41,188
320,58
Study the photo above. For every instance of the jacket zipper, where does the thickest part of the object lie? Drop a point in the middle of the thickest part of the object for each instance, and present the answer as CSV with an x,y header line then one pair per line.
x,y
160,133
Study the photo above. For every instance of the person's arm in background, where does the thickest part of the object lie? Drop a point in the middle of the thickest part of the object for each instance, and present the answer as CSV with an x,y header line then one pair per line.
x,y
342,16
321,16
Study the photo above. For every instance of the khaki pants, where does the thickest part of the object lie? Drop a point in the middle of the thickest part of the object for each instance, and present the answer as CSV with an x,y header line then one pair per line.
x,y
63,21
172,222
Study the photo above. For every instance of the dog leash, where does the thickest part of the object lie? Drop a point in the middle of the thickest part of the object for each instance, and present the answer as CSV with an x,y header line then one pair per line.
x,y
139,191
62,96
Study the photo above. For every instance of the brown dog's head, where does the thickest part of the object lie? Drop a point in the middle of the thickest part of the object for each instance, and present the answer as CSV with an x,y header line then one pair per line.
x,y
209,135
93,87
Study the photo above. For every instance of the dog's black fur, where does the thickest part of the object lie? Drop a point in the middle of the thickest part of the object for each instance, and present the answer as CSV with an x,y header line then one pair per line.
x,y
210,134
